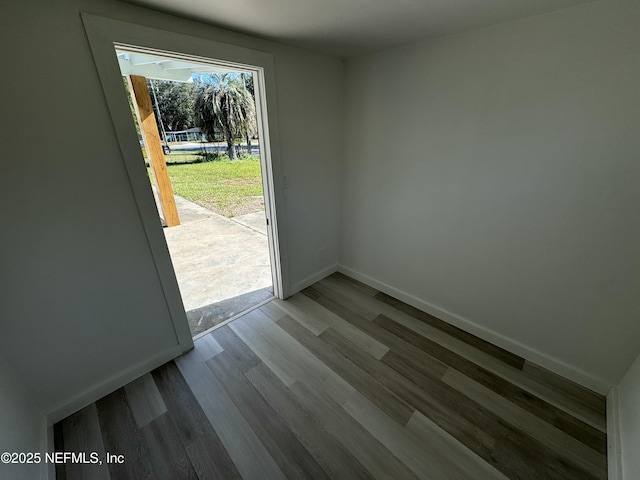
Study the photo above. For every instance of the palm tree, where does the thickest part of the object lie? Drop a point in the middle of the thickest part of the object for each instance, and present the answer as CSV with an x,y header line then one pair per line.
x,y
226,105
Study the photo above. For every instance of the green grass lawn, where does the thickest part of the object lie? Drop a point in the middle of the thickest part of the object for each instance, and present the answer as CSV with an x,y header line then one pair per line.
x,y
229,188
177,156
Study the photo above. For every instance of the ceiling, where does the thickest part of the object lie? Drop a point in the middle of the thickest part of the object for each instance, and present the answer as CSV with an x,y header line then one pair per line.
x,y
346,28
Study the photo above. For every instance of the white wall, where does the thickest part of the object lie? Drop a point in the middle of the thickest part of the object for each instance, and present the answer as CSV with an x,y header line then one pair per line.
x,y
22,425
629,417
81,300
492,177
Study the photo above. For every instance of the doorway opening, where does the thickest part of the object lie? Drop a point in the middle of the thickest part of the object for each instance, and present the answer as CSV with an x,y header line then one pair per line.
x,y
200,126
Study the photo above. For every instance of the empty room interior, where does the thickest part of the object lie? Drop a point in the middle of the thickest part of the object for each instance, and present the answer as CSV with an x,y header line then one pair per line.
x,y
454,191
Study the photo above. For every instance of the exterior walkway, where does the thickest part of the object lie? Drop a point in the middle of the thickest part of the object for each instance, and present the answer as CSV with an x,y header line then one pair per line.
x,y
222,265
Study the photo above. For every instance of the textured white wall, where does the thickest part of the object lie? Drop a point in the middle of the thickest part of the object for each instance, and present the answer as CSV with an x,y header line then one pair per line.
x,y
494,176
81,300
629,416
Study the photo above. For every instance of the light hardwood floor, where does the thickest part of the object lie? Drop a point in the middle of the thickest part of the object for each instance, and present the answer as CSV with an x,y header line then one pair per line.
x,y
342,381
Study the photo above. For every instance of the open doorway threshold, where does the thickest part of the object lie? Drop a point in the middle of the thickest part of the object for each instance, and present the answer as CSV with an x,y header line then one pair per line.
x,y
204,318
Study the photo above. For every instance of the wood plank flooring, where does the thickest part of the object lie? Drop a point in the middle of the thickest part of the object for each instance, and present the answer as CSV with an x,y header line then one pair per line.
x,y
342,382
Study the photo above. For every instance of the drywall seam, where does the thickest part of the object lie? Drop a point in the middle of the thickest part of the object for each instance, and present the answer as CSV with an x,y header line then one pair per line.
x,y
539,358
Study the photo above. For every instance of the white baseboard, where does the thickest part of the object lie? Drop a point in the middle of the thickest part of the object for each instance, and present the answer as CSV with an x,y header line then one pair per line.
x,y
543,360
311,279
614,450
78,402
104,388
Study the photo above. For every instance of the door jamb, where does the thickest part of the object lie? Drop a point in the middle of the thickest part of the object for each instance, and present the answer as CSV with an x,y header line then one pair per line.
x,y
104,34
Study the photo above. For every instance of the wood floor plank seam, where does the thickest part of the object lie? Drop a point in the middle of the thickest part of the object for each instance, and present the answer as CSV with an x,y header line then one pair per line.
x,y
427,431
371,453
468,423
82,431
292,457
342,382
337,321
569,447
336,460
310,321
412,353
427,460
121,436
537,406
167,454
587,399
521,378
337,283
192,427
465,431
248,454
493,350
244,358
384,398
286,357
578,393
145,400
582,394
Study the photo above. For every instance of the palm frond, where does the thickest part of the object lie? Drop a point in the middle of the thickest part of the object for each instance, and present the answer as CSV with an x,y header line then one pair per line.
x,y
224,104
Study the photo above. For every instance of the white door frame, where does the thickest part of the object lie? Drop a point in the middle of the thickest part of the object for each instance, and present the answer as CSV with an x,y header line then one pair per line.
x,y
104,36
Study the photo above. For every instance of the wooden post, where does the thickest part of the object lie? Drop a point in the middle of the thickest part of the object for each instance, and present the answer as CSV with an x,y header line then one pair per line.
x,y
149,129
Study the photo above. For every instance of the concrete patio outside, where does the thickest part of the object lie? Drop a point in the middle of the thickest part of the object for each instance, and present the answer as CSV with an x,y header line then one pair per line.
x,y
222,265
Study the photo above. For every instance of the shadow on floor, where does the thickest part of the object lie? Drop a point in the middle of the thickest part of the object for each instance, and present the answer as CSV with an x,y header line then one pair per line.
x,y
203,318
